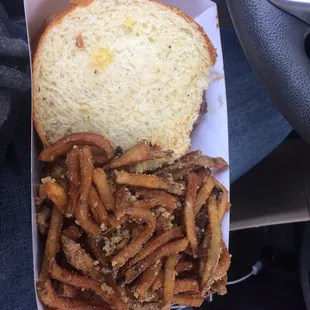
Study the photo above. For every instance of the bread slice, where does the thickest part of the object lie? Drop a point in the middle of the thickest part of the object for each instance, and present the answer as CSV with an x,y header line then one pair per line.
x,y
129,70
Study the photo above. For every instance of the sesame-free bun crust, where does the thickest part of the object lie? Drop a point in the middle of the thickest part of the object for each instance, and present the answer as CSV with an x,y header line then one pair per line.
x,y
138,72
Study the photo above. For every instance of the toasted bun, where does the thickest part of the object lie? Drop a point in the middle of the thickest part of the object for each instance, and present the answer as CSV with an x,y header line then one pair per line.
x,y
129,70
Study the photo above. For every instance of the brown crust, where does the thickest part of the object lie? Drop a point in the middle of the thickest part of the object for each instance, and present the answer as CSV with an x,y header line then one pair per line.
x,y
84,3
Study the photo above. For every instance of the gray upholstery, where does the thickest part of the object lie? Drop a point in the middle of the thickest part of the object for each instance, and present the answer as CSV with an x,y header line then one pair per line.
x,y
274,44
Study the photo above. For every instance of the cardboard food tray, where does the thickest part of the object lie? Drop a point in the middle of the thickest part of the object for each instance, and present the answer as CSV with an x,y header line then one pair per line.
x,y
210,136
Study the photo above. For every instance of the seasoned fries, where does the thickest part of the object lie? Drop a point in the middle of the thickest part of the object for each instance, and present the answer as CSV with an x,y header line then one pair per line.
x,y
64,145
132,239
189,212
170,248
57,194
211,247
135,246
73,163
147,279
186,285
188,299
156,242
169,280
102,185
148,181
82,211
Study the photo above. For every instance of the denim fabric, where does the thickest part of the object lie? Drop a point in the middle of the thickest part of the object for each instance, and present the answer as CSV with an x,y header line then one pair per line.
x,y
255,129
255,125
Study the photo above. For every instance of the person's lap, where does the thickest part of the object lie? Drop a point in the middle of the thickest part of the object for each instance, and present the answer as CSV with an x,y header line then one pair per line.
x,y
255,129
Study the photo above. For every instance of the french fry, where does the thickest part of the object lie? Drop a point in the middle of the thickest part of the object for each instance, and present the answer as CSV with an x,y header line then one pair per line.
x,y
80,259
144,204
158,197
73,232
135,246
204,192
222,200
85,282
211,246
181,173
51,246
147,279
57,194
73,163
202,174
43,218
68,291
188,299
189,212
156,242
158,282
219,286
224,262
99,255
49,298
65,144
148,181
82,211
184,265
186,285
102,185
138,153
169,280
97,208
122,201
170,248
193,159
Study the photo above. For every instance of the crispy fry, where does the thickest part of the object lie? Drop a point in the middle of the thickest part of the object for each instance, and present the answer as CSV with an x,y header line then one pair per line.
x,y
85,282
201,222
211,246
186,285
224,262
64,145
73,232
57,194
161,198
169,280
184,265
103,262
58,171
135,246
219,286
147,279
181,173
149,181
222,200
189,212
43,218
170,248
49,298
51,246
122,201
193,159
188,299
68,291
204,192
79,259
82,212
144,204
158,282
102,185
156,242
202,173
73,163
97,208
138,153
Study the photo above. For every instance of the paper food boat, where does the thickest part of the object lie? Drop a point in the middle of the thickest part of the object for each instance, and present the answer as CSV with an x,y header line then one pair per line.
x,y
210,136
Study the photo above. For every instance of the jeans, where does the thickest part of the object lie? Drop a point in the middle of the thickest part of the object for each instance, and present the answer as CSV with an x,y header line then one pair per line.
x,y
255,129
